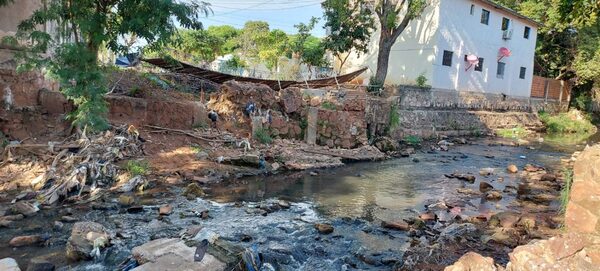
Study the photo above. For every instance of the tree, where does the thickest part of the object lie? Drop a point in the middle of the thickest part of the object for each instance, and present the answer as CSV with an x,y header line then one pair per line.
x,y
308,48
394,16
227,35
349,25
83,27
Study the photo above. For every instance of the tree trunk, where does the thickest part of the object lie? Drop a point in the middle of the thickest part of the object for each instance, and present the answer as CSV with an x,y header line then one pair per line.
x,y
383,59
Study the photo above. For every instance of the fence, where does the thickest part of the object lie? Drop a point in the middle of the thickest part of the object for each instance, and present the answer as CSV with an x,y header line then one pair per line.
x,y
550,89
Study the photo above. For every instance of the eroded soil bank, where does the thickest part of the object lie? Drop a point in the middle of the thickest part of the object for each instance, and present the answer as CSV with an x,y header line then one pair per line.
x,y
417,213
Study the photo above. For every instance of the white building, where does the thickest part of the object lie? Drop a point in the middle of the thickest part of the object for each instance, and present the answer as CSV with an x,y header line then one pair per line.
x,y
436,45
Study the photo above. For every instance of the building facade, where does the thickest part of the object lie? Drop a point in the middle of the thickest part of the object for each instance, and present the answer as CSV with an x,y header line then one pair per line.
x,y
437,44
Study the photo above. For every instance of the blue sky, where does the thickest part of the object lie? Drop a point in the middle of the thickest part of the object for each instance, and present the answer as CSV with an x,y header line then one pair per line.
x,y
280,14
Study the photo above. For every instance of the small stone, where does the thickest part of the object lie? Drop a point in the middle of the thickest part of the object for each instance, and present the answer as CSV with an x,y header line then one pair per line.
x,y
25,240
512,169
427,216
324,228
126,200
9,264
548,177
505,219
40,265
204,214
467,191
313,173
165,210
68,219
527,222
484,187
486,171
193,191
135,209
283,204
416,160
472,261
395,225
25,208
58,225
493,195
275,166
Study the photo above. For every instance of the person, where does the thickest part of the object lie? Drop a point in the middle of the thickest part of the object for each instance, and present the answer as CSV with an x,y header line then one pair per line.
x,y
250,107
214,117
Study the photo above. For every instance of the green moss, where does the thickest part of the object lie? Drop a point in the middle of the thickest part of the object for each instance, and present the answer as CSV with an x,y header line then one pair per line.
x,y
135,167
517,132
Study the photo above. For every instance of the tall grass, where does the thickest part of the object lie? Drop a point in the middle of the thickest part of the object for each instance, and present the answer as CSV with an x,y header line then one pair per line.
x,y
263,136
566,190
566,123
136,168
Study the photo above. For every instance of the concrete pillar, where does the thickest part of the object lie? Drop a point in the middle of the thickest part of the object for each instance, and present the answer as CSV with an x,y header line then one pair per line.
x,y
310,135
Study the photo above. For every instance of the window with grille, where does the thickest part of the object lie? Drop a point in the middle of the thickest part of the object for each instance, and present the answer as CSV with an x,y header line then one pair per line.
x,y
447,59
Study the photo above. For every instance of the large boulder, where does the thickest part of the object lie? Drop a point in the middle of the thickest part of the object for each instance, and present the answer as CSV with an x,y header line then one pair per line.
x,y
172,254
9,264
472,261
85,236
290,99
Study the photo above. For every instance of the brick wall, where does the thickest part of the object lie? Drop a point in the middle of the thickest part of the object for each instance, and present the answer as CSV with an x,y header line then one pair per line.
x,y
540,85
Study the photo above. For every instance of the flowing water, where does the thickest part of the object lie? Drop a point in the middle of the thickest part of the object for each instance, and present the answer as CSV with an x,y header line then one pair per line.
x,y
354,199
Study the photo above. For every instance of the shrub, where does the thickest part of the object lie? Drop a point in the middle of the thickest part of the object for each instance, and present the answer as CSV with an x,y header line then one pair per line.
x,y
135,167
413,140
394,118
263,136
328,105
570,122
566,190
421,80
374,85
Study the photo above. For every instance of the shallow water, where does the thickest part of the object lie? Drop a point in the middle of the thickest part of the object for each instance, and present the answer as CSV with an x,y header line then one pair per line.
x,y
354,199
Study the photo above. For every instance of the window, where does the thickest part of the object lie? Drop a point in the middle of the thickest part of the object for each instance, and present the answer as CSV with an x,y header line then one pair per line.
x,y
522,72
505,23
500,70
472,10
485,16
447,60
479,66
526,32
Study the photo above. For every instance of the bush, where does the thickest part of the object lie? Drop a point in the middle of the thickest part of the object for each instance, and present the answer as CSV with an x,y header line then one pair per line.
x,y
566,190
421,80
328,105
263,136
413,140
571,122
137,168
374,85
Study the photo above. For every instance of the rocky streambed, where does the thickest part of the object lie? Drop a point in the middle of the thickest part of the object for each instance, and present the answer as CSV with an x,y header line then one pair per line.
x,y
417,213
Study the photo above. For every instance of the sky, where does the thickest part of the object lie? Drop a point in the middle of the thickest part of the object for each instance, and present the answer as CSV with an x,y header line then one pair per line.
x,y
280,14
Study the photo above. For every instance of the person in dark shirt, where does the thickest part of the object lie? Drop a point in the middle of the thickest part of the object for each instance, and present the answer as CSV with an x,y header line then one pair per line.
x,y
250,107
214,117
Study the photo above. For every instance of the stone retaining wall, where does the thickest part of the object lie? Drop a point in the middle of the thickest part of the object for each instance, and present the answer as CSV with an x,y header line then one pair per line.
x,y
583,209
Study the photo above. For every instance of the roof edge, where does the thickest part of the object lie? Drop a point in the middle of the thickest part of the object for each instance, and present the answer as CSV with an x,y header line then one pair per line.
x,y
510,11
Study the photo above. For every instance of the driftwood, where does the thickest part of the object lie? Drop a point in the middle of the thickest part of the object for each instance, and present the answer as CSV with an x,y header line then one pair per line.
x,y
187,133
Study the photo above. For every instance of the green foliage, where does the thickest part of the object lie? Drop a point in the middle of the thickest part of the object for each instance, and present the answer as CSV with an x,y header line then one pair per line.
x,y
412,140
394,117
328,105
565,192
374,84
421,80
263,136
196,148
235,63
517,132
83,28
571,122
308,48
137,167
303,126
350,26
3,139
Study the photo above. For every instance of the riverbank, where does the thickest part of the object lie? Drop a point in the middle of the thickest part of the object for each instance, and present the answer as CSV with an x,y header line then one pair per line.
x,y
384,214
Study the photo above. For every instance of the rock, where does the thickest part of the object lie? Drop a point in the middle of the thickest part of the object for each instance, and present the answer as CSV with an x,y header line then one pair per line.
x,y
324,228
527,222
135,209
193,191
548,178
26,240
126,200
493,195
204,214
532,168
464,177
84,236
313,173
472,261
505,236
504,219
275,166
427,216
395,225
290,99
416,160
58,225
171,255
440,205
484,187
512,168
456,230
386,144
165,210
68,219
37,264
283,204
543,199
25,208
468,191
486,171
9,264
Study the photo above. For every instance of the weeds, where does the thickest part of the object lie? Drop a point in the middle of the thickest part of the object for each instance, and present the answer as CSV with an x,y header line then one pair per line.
x,y
566,190
137,167
517,132
421,80
374,85
394,121
196,148
328,105
413,140
566,123
263,136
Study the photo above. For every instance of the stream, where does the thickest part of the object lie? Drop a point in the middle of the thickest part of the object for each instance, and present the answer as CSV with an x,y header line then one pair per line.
x,y
354,199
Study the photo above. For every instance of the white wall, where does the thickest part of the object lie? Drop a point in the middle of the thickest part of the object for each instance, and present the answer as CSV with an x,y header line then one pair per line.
x,y
464,33
413,53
